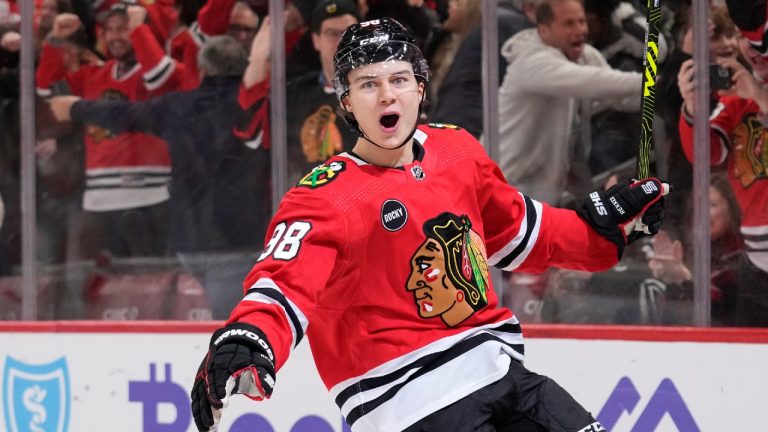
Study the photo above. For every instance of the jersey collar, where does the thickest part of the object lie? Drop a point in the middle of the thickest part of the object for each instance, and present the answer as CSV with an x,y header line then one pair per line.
x,y
419,137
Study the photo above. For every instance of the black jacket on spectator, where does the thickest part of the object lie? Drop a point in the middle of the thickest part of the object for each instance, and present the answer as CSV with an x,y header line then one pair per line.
x,y
220,197
460,97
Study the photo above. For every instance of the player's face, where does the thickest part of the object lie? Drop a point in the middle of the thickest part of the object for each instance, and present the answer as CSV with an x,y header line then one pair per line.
x,y
384,98
568,30
327,39
116,36
432,289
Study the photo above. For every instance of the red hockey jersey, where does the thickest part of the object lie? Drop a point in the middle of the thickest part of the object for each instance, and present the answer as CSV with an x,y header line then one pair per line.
x,y
132,169
212,20
386,272
739,140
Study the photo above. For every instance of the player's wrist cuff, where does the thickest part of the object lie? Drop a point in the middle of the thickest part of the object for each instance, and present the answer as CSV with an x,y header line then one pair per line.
x,y
600,218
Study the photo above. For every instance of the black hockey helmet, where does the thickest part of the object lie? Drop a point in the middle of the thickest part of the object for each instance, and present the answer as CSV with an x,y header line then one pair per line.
x,y
375,41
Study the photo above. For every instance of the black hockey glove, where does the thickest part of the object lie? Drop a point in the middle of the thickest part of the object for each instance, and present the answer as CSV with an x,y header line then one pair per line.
x,y
626,211
239,360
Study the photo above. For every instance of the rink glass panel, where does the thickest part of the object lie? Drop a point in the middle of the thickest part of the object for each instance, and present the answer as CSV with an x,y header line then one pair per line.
x,y
77,280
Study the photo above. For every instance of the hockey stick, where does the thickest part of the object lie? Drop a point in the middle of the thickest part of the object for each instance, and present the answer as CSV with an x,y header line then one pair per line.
x,y
648,103
649,88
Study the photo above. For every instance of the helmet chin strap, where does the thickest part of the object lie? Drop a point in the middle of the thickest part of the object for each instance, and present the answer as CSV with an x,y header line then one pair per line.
x,y
410,136
407,139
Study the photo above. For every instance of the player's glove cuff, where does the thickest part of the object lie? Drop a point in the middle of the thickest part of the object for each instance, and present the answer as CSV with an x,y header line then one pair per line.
x,y
626,211
243,334
244,353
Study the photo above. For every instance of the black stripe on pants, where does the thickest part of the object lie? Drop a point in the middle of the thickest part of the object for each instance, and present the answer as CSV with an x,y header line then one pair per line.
x,y
522,401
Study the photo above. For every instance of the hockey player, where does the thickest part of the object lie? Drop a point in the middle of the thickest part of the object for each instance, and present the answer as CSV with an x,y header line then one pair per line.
x,y
380,257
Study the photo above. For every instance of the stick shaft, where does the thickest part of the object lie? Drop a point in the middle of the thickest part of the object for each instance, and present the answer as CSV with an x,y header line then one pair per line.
x,y
649,88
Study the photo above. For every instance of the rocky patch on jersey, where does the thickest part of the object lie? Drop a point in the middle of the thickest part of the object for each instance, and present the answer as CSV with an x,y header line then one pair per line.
x,y
443,126
322,175
449,271
393,215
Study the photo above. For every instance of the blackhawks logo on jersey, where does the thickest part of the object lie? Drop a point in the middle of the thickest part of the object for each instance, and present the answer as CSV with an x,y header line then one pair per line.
x,y
449,270
322,175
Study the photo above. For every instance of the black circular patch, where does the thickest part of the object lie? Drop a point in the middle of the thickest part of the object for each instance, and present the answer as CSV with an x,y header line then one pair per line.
x,y
393,215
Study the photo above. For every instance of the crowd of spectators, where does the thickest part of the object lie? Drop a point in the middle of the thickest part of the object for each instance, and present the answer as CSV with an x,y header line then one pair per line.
x,y
153,137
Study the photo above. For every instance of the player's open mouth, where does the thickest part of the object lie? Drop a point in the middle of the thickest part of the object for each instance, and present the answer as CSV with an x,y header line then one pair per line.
x,y
389,122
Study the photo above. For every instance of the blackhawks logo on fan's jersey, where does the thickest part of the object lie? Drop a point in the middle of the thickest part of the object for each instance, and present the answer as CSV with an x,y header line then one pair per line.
x,y
322,175
449,270
750,151
320,138
98,133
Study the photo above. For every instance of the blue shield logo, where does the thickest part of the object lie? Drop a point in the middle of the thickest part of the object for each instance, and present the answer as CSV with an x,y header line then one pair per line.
x,y
36,397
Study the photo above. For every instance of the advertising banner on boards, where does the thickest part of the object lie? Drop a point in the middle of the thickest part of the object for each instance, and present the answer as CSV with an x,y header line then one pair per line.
x,y
81,382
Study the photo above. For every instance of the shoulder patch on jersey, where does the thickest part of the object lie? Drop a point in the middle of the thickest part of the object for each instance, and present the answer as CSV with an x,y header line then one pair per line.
x,y
443,126
393,215
418,172
322,175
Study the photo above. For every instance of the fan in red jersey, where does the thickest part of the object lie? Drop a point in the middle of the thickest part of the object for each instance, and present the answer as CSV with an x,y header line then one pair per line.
x,y
380,257
737,145
127,174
